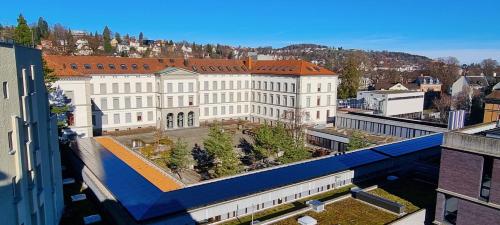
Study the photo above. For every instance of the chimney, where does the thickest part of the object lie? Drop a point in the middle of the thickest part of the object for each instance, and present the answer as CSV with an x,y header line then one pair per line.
x,y
248,62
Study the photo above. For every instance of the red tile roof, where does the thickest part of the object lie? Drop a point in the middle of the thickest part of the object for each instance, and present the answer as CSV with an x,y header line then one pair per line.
x,y
87,65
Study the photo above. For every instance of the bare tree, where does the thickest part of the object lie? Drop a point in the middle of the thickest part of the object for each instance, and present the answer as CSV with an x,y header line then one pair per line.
x,y
489,66
443,104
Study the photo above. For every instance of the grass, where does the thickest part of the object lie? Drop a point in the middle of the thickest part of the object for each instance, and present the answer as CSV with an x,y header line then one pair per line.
x,y
346,212
414,195
289,207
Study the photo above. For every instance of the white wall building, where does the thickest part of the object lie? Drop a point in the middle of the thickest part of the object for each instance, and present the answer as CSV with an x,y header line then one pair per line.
x,y
398,103
30,164
112,93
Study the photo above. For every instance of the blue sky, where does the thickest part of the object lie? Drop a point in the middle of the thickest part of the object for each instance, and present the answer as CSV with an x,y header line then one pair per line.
x,y
469,30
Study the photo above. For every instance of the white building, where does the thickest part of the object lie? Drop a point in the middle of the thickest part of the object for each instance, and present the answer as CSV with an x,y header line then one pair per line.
x,y
30,164
112,93
469,84
398,103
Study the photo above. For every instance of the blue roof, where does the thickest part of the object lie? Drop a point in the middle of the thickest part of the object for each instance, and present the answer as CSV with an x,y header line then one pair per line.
x,y
411,145
145,201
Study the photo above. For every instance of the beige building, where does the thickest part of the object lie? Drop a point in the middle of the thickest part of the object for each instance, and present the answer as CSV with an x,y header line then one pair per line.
x,y
30,164
112,93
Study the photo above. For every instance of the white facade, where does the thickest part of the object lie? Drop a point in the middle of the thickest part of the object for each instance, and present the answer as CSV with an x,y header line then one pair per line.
x,y
394,102
179,98
30,164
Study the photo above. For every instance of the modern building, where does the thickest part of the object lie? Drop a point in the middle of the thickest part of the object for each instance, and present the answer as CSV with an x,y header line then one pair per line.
x,y
492,107
111,93
409,104
30,164
469,177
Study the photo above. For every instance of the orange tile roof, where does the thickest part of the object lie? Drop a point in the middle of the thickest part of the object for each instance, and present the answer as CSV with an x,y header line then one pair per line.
x,y
87,65
286,67
152,174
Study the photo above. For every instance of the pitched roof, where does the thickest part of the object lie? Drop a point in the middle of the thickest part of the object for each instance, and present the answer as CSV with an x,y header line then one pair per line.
x,y
287,67
87,65
494,97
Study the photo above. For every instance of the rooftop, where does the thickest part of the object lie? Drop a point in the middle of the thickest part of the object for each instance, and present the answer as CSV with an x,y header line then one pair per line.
x,y
481,138
88,65
393,92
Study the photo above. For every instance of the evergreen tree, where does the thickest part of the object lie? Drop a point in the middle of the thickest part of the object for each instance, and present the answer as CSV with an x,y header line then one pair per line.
x,y
294,152
118,37
106,37
350,79
141,37
22,33
43,28
58,105
179,156
219,146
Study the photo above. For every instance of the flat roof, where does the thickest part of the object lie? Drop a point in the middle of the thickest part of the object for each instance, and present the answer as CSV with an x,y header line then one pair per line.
x,y
143,200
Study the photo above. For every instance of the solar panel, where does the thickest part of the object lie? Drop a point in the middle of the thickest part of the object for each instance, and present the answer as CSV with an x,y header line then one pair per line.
x,y
412,145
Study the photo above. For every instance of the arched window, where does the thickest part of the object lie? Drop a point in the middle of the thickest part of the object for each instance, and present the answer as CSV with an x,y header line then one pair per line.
x,y
190,119
170,120
180,119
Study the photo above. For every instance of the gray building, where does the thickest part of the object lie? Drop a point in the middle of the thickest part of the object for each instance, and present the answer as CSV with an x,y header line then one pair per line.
x,y
30,165
469,178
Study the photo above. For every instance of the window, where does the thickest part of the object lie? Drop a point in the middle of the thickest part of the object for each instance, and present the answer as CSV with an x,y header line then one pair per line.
x,y
74,66
169,88
104,119
139,117
214,98
223,97
223,85
191,87
284,100
278,100
278,87
123,66
116,103
308,88
265,85
116,118
150,101
180,87
292,101
170,120
134,66
318,114
486,178
231,85
11,142
149,87
100,66
92,89
328,100
114,87
223,110
86,66
190,121
138,102
150,116
450,209
259,85
238,85
170,102
214,85
238,109
146,66
214,111
293,88
319,87
180,101
191,100
329,87
127,88
308,101
102,88
111,66
247,84
271,98
127,103
271,86
138,87
206,111
318,101
5,89
104,103
180,119
286,87
128,117
238,96
205,85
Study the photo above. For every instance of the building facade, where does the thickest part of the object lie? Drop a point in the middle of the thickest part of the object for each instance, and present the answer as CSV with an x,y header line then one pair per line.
x,y
409,104
469,177
492,107
109,93
30,164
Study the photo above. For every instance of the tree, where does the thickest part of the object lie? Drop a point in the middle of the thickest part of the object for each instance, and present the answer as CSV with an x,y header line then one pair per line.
x,y
443,104
118,37
350,79
141,37
357,141
219,146
106,37
446,70
22,33
266,143
43,28
489,66
179,157
297,151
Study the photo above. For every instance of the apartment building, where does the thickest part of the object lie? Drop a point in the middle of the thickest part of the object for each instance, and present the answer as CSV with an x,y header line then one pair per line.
x,y
469,177
30,164
111,93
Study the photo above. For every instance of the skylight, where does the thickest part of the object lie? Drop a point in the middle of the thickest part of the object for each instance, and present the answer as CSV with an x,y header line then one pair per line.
x,y
74,66
146,66
123,66
134,66
100,66
86,66
112,66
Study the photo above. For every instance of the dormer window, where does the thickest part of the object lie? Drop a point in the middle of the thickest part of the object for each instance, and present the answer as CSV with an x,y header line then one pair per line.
x,y
100,66
211,68
74,66
123,66
86,66
134,66
146,66
112,66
